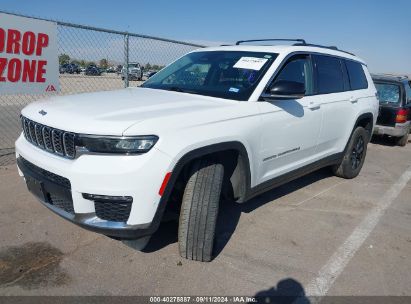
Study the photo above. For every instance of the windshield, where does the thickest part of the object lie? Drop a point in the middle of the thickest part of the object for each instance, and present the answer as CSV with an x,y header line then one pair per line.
x,y
388,93
225,74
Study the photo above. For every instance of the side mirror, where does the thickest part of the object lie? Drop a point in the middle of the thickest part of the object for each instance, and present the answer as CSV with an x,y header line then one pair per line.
x,y
284,89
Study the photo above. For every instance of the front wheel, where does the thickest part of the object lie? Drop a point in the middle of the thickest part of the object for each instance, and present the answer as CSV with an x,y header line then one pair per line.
x,y
199,210
354,155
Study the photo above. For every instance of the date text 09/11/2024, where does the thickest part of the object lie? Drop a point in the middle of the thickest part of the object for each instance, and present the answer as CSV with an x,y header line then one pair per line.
x,y
203,299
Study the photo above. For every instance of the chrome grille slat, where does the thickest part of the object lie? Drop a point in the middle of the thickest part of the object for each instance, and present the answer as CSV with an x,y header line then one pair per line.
x,y
49,139
32,133
39,136
68,143
57,141
26,126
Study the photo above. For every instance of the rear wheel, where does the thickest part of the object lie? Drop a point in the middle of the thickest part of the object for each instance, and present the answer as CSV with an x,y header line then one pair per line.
x,y
199,210
402,141
354,156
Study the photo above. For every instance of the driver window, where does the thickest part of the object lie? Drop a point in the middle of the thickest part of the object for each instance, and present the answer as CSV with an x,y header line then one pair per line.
x,y
297,69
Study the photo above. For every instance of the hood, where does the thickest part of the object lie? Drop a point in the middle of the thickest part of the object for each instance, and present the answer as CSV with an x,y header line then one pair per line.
x,y
113,112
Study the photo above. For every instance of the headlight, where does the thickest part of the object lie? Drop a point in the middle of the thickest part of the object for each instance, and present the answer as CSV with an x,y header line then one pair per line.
x,y
112,144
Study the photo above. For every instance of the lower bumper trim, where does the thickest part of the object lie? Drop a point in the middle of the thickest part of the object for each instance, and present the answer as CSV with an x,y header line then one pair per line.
x,y
89,221
398,131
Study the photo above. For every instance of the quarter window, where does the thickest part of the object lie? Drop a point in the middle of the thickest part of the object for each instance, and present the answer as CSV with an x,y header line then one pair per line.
x,y
356,74
408,90
330,77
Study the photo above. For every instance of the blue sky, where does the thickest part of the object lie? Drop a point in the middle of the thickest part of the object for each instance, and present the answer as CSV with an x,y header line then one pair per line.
x,y
377,31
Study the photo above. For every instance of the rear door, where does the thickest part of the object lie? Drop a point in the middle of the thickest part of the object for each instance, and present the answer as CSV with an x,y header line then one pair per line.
x,y
389,94
338,103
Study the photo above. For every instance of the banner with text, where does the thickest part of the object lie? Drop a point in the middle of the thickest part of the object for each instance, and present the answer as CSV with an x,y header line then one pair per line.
x,y
28,56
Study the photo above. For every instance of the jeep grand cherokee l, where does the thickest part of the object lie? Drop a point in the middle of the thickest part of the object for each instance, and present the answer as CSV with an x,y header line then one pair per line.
x,y
231,120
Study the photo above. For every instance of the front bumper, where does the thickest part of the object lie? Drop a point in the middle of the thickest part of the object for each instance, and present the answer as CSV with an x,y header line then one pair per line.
x,y
137,176
399,130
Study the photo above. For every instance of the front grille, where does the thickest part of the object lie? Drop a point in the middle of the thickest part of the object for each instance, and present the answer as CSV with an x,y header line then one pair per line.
x,y
62,181
49,139
113,211
61,202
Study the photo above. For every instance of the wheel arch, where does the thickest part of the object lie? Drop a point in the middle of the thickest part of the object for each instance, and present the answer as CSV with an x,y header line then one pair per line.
x,y
233,155
365,120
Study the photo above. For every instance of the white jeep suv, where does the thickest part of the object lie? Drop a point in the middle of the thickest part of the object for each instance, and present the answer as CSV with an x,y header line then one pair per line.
x,y
222,122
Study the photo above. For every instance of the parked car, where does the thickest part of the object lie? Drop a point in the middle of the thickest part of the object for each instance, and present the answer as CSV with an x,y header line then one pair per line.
x,y
135,71
111,69
63,68
74,69
394,119
70,68
223,122
92,70
119,69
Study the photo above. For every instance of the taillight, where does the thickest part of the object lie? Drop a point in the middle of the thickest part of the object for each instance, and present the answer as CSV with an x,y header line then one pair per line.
x,y
401,116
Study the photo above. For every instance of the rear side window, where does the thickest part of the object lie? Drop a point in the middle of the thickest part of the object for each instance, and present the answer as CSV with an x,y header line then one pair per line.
x,y
330,77
388,93
356,75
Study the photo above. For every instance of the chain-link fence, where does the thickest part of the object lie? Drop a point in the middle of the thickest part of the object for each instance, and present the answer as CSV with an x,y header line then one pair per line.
x,y
92,59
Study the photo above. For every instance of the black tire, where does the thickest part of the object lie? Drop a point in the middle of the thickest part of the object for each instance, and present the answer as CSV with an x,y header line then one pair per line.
x,y
199,210
354,156
402,141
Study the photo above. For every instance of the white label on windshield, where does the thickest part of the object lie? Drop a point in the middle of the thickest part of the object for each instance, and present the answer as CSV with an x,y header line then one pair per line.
x,y
250,63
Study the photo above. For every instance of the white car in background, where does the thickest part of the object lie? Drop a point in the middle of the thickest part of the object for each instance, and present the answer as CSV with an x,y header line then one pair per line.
x,y
222,122
135,71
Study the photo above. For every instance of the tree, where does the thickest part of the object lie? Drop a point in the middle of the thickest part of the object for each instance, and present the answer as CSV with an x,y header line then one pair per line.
x,y
103,63
64,58
83,63
147,67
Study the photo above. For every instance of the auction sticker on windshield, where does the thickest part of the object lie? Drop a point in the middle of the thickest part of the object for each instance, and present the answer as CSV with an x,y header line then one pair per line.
x,y
28,55
250,63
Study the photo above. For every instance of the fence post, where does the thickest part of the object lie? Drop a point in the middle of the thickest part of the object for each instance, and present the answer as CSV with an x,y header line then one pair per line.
x,y
126,54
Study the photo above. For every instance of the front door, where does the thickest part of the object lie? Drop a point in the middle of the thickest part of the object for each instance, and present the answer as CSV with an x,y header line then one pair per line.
x,y
290,128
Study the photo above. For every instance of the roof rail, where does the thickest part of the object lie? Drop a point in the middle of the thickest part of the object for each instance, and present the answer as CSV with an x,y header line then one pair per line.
x,y
299,42
256,40
331,47
399,77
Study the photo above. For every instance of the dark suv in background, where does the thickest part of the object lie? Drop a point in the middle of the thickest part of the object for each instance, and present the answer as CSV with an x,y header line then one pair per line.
x,y
394,93
70,68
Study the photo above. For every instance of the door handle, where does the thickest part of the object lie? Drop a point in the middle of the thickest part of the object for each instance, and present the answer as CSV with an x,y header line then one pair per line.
x,y
313,105
353,99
